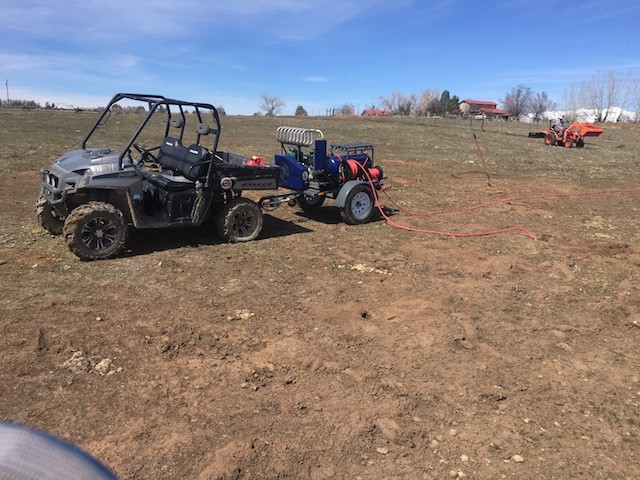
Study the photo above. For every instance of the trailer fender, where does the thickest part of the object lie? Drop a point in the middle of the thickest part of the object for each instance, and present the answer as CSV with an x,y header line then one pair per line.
x,y
341,199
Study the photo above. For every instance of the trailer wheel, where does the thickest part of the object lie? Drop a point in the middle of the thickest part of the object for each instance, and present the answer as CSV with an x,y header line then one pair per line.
x,y
240,220
550,139
310,203
95,231
47,217
359,206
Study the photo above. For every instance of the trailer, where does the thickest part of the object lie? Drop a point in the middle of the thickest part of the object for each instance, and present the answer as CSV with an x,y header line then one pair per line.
x,y
345,173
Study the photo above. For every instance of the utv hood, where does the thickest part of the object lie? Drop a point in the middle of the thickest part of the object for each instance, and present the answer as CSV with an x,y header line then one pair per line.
x,y
97,160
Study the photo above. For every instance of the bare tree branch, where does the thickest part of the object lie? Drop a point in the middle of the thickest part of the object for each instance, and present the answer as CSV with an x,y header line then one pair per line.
x,y
518,101
540,104
271,104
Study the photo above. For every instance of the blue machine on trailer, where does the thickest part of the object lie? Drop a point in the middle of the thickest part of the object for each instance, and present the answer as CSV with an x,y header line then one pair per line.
x,y
347,173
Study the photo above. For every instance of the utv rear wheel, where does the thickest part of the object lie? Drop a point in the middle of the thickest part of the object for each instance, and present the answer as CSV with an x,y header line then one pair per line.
x,y
359,207
240,220
95,231
47,217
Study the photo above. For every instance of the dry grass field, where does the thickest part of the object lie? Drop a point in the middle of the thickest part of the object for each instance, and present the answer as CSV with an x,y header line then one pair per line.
x,y
324,351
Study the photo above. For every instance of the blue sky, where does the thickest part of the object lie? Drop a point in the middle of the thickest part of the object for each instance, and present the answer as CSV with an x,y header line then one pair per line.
x,y
314,53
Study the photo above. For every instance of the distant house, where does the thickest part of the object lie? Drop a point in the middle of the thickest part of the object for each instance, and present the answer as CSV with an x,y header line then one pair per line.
x,y
482,108
374,112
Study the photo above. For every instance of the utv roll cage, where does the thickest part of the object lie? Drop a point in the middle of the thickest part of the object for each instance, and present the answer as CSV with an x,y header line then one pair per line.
x,y
176,119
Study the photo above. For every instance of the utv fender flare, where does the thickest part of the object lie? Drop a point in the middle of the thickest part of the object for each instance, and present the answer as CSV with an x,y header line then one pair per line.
x,y
341,199
119,197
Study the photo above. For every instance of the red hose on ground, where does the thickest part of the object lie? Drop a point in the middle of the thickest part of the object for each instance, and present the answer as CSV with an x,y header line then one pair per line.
x,y
510,199
476,207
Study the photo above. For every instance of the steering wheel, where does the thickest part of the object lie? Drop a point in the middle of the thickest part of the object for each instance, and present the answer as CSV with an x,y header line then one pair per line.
x,y
146,154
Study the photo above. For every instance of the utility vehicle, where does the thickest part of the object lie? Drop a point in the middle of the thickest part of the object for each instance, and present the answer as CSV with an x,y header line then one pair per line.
x,y
571,136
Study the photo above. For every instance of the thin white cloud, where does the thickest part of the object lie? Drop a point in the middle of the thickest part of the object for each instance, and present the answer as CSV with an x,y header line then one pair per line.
x,y
316,79
104,19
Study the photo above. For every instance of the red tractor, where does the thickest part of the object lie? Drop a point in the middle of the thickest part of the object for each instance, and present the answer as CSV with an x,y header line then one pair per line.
x,y
571,136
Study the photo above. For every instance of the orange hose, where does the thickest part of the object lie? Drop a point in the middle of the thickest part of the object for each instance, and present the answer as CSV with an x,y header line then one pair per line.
x,y
511,199
483,205
437,232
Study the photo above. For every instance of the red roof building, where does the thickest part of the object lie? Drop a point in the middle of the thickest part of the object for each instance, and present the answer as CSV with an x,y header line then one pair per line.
x,y
374,112
482,107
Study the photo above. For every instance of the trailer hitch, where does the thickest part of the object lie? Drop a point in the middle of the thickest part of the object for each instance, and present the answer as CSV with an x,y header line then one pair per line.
x,y
271,202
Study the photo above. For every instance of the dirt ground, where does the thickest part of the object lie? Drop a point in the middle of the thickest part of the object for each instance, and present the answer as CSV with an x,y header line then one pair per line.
x,y
325,351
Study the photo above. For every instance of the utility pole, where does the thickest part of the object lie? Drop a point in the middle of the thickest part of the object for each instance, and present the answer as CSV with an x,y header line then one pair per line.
x,y
6,84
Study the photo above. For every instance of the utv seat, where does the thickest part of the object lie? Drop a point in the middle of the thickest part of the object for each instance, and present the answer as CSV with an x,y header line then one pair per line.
x,y
192,162
182,165
171,183
199,160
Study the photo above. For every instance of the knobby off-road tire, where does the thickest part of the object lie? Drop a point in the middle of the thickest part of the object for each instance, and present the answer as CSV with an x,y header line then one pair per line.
x,y
240,220
47,217
360,205
95,231
310,203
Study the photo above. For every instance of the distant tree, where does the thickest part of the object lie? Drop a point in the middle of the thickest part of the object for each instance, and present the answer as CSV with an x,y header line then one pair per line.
x,y
390,103
454,104
300,111
429,102
635,95
571,102
448,104
221,110
401,104
540,104
407,104
518,101
602,93
445,98
347,109
15,103
271,104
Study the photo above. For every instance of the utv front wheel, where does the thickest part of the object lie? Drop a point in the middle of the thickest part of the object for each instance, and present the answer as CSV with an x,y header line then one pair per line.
x,y
47,217
240,220
95,231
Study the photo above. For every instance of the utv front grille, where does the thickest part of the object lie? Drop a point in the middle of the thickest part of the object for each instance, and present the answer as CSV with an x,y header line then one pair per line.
x,y
52,180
